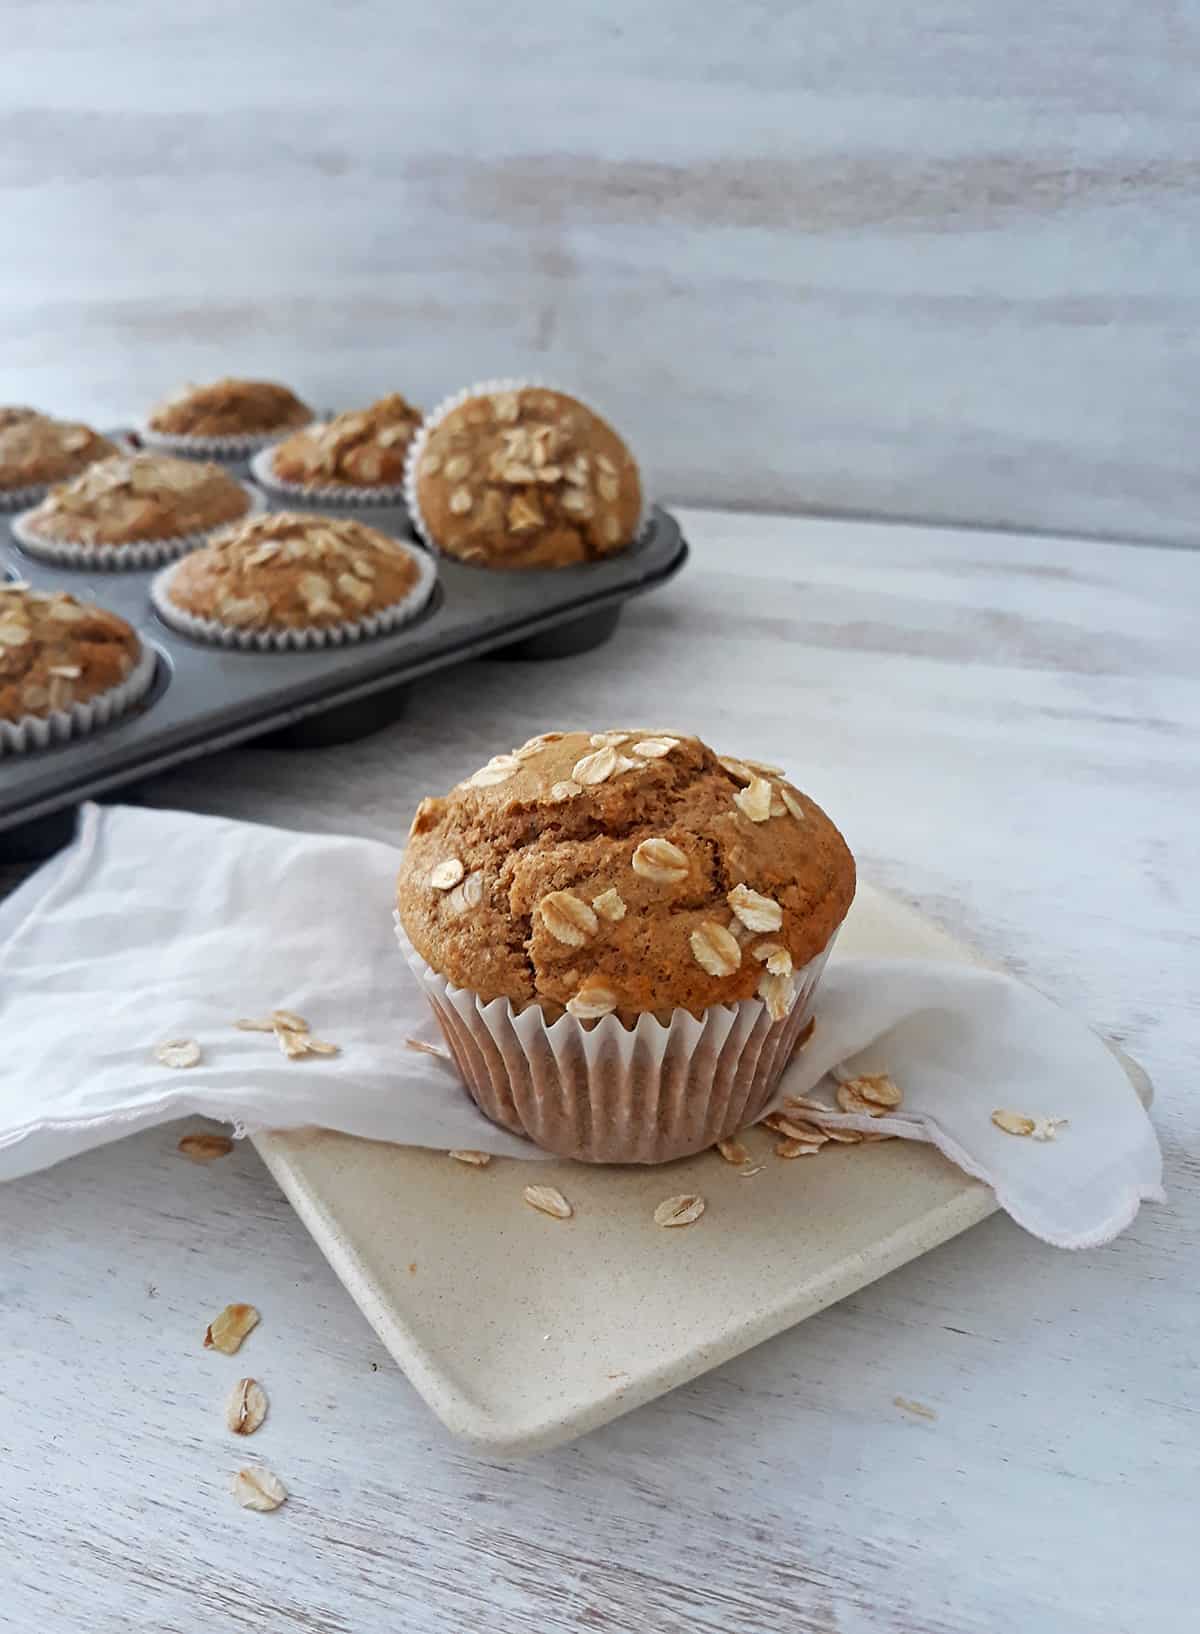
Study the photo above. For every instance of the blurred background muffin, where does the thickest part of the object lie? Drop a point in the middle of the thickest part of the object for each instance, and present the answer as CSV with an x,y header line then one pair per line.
x,y
522,476
241,413
36,450
360,450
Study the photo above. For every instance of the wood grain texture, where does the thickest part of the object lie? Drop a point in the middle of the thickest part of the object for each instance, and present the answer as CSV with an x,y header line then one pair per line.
x,y
932,261
1008,731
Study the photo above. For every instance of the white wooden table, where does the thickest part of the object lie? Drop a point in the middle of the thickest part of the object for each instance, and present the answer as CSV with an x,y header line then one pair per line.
x,y
1007,729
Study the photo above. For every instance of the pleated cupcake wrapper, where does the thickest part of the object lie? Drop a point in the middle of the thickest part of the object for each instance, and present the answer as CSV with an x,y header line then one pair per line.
x,y
213,633
214,448
263,470
20,499
61,725
608,1094
139,553
485,388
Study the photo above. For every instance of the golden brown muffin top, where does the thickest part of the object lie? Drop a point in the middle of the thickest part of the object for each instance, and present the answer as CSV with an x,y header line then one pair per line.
x,y
288,571
363,448
623,871
229,408
56,651
35,448
139,496
527,478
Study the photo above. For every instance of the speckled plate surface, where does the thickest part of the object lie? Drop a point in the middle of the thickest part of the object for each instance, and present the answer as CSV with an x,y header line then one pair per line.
x,y
521,1331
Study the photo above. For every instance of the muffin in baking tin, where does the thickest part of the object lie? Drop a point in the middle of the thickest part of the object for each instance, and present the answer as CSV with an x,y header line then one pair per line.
x,y
228,408
36,449
363,449
521,477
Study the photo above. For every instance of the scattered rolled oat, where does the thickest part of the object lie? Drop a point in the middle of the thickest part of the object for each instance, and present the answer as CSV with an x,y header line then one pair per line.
x,y
849,1099
259,1489
715,950
564,791
776,958
422,1048
744,1174
203,1148
595,768
498,770
790,801
798,1148
733,1151
655,748
755,802
878,1088
255,1024
778,993
246,1407
845,1137
679,1211
661,862
226,1331
474,1160
1013,1123
796,1128
1047,1128
290,1020
756,912
736,768
178,1052
548,1200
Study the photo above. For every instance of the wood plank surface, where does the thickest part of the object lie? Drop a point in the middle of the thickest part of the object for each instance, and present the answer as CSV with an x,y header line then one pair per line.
x,y
934,261
998,1436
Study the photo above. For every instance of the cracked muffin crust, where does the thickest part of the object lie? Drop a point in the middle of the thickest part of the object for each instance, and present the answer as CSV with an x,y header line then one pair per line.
x,y
525,477
228,408
289,571
133,497
56,651
360,449
623,872
36,449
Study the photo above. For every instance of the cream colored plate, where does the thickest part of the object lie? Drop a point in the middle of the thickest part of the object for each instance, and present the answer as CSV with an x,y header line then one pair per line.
x,y
522,1331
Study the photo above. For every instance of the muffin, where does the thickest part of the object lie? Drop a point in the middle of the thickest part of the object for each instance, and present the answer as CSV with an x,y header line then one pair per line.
x,y
132,509
288,580
521,476
36,450
65,666
584,888
235,414
356,452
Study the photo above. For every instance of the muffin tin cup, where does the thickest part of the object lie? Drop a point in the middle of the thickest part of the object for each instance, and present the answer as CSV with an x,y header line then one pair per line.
x,y
140,553
43,731
609,1094
487,388
263,471
213,633
213,448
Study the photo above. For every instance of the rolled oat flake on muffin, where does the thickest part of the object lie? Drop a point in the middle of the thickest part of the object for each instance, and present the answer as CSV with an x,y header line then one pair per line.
x,y
521,476
648,898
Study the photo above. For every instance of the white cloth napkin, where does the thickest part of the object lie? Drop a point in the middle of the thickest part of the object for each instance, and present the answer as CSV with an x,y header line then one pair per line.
x,y
156,925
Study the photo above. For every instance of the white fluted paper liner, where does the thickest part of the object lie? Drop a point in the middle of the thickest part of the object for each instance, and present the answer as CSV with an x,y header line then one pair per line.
x,y
139,553
215,448
20,499
262,468
611,1094
213,632
61,725
487,388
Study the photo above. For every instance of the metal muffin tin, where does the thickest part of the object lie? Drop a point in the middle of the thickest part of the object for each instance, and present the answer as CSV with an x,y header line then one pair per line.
x,y
206,698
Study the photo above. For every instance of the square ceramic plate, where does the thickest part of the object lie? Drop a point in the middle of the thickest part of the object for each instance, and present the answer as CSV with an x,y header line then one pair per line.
x,y
521,1332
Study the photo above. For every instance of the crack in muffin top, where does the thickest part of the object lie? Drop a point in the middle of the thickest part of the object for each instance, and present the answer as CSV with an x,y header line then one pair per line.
x,y
623,872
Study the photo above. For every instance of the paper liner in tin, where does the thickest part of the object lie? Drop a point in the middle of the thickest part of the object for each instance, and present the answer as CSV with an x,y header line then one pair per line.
x,y
416,447
139,553
611,1094
262,468
214,633
41,731
215,448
